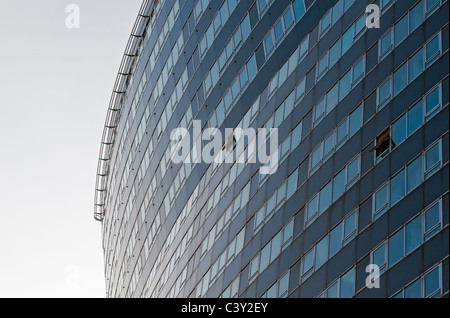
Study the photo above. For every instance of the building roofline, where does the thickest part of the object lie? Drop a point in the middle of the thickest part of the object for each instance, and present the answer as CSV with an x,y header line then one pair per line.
x,y
115,106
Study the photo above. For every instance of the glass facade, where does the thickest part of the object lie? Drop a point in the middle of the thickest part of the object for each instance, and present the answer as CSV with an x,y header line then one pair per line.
x,y
362,151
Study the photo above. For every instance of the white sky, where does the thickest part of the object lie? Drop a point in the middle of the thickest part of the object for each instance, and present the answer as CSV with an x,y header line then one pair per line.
x,y
55,86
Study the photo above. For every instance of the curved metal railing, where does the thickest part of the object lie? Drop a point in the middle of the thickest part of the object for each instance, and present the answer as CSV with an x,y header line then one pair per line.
x,y
115,106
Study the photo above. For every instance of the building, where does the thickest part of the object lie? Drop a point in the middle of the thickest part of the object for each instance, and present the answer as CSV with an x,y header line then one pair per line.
x,y
362,163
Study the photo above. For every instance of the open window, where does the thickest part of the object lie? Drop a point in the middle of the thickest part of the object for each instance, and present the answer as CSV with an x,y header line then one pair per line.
x,y
383,145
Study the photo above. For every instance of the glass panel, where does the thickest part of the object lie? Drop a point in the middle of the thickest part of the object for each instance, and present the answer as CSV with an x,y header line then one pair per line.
x,y
312,207
299,9
400,78
328,144
401,30
355,121
415,65
345,85
321,252
337,11
287,18
413,234
396,247
325,198
381,199
379,257
316,156
415,118
398,187
333,291
413,290
432,49
335,239
384,92
416,16
432,282
347,40
432,158
308,262
414,174
386,44
335,53
398,131
350,226
338,185
432,101
432,219
347,284
278,30
268,43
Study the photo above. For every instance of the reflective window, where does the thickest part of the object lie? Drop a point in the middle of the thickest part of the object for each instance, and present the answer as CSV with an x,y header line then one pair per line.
x,y
432,283
414,174
397,187
381,201
413,234
396,247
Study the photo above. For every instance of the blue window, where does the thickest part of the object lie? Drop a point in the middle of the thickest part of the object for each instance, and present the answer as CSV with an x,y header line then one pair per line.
x,y
381,201
432,159
400,78
321,252
432,283
415,65
401,30
415,118
432,220
433,102
325,198
299,9
413,290
335,239
397,187
396,247
398,133
338,185
414,174
347,284
413,234
416,16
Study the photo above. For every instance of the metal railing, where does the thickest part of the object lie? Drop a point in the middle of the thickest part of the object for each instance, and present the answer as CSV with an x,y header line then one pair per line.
x,y
116,104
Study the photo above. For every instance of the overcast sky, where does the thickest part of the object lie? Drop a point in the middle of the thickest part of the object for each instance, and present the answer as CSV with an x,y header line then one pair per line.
x,y
55,86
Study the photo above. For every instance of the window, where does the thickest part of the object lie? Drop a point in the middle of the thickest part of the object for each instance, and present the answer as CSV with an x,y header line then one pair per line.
x,y
433,50
432,159
398,131
415,65
385,45
334,53
400,78
432,283
431,6
414,174
416,16
432,218
378,257
321,252
413,234
325,23
433,102
335,240
347,284
415,118
396,247
358,72
322,66
384,93
308,264
413,290
382,145
381,201
401,30
397,187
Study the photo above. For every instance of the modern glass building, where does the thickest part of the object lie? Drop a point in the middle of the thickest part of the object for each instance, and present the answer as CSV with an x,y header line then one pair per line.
x,y
362,153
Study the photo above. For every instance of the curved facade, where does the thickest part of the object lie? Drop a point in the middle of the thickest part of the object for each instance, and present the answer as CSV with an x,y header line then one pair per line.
x,y
361,174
